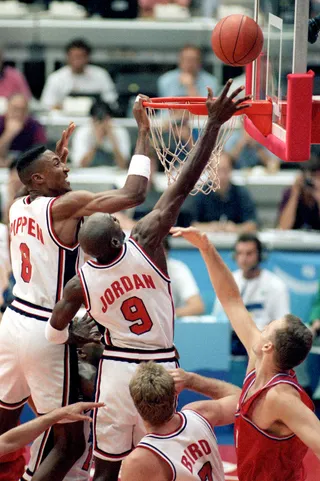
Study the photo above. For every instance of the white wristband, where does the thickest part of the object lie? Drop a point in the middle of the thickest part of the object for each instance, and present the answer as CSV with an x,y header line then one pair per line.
x,y
55,336
140,165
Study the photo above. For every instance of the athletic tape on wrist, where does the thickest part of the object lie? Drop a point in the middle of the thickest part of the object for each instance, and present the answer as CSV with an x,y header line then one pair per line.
x,y
55,336
140,165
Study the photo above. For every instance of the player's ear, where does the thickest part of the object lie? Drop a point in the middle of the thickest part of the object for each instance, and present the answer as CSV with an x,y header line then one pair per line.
x,y
37,178
116,243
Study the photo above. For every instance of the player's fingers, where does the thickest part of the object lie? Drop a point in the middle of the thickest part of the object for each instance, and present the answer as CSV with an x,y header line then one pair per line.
x,y
236,92
226,89
243,107
244,99
210,93
70,130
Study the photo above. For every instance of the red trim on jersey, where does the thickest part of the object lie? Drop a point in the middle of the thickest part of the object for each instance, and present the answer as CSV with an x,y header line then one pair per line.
x,y
11,406
107,337
161,456
172,305
95,411
183,422
94,263
60,276
41,449
84,289
51,229
138,246
66,382
204,419
26,200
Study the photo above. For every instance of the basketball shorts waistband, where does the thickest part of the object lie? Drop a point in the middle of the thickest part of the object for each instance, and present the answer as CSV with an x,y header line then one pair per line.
x,y
29,309
139,355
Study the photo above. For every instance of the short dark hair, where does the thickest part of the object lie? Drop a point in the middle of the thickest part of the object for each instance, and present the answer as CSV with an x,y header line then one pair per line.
x,y
100,110
292,343
250,237
79,43
26,160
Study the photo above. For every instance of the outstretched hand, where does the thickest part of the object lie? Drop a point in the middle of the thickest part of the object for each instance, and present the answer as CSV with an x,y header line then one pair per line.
x,y
223,107
140,113
75,412
62,144
83,331
194,236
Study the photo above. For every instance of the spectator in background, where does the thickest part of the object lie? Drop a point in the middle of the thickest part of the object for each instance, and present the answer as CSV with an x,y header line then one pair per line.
x,y
101,142
185,292
12,81
9,190
78,77
264,294
315,328
147,6
18,130
230,209
189,79
247,153
300,205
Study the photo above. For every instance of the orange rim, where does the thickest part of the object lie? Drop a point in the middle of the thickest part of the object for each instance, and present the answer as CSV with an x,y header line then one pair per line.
x,y
260,111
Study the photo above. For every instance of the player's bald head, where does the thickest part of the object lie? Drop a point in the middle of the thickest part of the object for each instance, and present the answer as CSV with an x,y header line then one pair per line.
x,y
101,236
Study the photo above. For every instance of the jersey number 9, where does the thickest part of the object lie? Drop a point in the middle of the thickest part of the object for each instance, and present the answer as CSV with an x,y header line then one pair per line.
x,y
133,309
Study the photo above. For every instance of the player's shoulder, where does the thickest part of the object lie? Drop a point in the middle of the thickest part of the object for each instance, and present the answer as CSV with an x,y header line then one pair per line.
x,y
142,464
281,394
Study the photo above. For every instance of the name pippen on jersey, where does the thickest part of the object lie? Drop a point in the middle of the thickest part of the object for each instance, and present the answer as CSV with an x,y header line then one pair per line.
x,y
26,225
123,285
193,452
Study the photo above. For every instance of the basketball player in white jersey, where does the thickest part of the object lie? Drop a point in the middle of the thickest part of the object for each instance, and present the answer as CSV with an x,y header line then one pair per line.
x,y
45,253
127,290
178,445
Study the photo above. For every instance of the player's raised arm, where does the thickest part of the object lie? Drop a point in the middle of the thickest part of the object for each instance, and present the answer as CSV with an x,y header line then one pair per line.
x,y
155,226
82,203
57,328
224,285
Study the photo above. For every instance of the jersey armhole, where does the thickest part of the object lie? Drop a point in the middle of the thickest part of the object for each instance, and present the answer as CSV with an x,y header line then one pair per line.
x,y
84,290
52,232
161,455
149,260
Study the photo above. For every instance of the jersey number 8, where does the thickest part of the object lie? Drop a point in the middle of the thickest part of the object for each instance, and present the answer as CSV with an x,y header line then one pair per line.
x,y
26,267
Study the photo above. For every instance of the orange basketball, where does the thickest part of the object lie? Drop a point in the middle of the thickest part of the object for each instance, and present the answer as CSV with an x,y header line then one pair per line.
x,y
237,40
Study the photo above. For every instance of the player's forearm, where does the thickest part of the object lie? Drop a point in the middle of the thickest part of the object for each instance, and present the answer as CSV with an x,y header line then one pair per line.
x,y
221,278
213,388
143,142
22,435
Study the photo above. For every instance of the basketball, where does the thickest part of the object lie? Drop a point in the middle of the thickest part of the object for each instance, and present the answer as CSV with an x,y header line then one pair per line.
x,y
237,40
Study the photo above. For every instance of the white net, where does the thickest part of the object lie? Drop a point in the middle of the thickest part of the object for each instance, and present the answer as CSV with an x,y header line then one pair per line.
x,y
175,134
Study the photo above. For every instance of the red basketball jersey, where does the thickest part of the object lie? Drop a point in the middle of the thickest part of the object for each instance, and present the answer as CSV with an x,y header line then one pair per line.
x,y
262,456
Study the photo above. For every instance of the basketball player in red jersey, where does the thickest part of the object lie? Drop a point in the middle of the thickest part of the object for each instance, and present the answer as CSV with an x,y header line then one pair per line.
x,y
275,423
45,254
127,290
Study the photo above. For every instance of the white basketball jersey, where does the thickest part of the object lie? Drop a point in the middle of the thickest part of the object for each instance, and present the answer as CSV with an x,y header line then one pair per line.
x,y
191,451
41,264
131,297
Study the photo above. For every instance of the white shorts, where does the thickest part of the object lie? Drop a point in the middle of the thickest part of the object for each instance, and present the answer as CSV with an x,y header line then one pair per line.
x,y
80,471
30,365
118,427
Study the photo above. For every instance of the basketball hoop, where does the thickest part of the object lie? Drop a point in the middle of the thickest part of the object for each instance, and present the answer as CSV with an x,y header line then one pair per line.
x,y
177,124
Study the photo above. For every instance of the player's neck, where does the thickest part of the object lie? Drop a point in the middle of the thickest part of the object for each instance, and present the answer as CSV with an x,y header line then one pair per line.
x,y
168,427
264,372
252,273
34,193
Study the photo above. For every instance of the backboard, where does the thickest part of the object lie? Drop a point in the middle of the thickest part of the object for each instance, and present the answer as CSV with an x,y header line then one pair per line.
x,y
280,76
